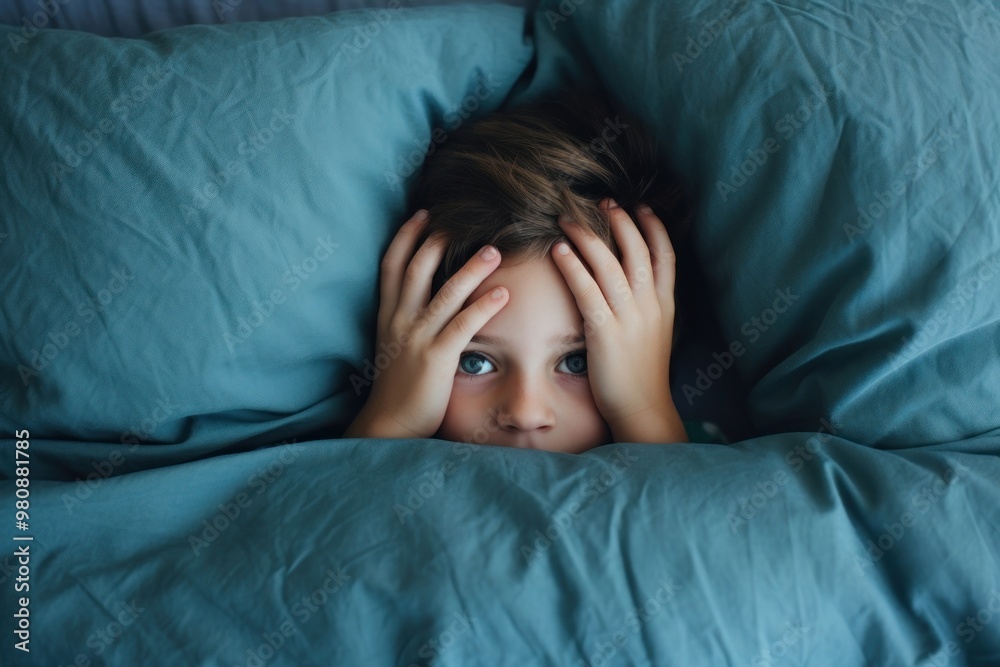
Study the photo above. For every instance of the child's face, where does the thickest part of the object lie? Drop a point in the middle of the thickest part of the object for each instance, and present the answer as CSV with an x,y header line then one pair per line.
x,y
525,387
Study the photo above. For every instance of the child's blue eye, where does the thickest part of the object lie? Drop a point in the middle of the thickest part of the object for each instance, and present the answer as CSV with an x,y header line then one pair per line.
x,y
576,362
473,364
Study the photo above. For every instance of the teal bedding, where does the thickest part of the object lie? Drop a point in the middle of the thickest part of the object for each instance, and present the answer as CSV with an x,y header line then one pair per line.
x,y
393,552
192,224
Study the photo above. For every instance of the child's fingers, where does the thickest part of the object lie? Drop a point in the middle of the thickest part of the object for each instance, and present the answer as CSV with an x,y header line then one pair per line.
x,y
661,253
607,270
457,289
395,261
589,298
416,286
635,255
456,336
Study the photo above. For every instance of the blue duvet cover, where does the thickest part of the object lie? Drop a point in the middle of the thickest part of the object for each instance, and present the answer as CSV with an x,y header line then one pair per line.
x,y
795,548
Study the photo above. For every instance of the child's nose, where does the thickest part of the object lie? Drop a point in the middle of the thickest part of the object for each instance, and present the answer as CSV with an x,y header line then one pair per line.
x,y
527,406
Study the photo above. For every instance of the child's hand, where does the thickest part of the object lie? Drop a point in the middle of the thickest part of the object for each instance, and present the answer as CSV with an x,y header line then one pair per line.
x,y
628,323
409,397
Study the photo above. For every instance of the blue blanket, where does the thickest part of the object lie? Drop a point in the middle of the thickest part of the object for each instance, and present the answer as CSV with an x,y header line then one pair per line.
x,y
791,549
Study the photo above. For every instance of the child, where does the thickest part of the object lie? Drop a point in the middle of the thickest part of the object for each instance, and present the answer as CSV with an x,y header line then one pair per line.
x,y
530,341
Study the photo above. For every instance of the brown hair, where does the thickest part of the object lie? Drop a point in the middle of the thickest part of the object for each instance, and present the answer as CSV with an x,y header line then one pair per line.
x,y
506,178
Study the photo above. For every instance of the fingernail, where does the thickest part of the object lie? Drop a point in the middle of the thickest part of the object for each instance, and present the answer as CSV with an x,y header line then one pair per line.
x,y
421,214
489,252
564,219
562,248
612,203
643,208
496,293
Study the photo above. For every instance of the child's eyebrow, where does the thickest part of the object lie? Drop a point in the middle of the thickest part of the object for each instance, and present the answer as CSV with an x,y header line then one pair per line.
x,y
561,341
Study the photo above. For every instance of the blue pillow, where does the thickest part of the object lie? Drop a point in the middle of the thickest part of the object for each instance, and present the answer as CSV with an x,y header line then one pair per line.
x,y
193,221
116,18
845,158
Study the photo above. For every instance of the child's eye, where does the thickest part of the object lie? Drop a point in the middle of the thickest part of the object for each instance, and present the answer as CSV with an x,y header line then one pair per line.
x,y
473,363
576,362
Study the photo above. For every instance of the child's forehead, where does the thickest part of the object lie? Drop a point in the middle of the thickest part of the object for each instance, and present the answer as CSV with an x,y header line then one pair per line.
x,y
535,275
540,301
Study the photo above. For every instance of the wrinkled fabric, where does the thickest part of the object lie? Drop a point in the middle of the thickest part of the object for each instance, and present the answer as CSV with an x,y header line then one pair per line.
x,y
195,220
192,292
844,158
793,548
115,18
